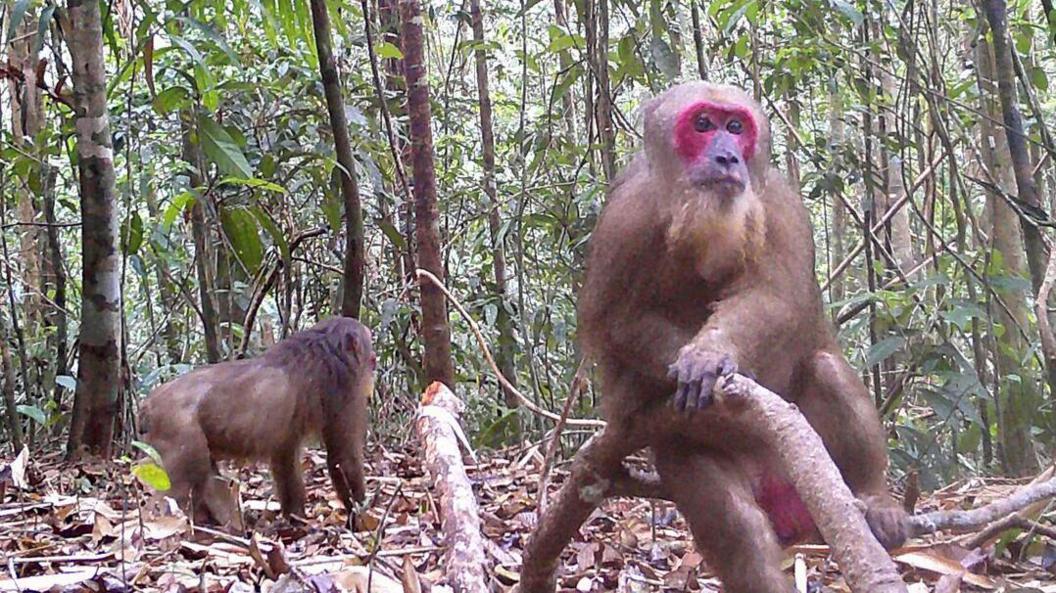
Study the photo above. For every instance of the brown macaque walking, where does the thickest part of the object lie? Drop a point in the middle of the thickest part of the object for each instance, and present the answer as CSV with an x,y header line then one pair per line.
x,y
701,265
316,382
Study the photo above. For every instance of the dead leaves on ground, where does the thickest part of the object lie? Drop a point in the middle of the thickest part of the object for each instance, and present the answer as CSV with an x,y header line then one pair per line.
x,y
91,527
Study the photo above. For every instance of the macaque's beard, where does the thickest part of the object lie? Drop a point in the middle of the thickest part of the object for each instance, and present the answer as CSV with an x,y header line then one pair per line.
x,y
719,235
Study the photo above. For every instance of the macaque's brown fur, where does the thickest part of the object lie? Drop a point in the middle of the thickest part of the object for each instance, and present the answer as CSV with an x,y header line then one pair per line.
x,y
684,285
316,382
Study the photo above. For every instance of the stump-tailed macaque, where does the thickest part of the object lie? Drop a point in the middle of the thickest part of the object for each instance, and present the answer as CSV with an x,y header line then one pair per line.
x,y
702,264
316,382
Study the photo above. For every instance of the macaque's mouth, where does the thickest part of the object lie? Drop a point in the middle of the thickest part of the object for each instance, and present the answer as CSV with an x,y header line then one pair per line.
x,y
723,183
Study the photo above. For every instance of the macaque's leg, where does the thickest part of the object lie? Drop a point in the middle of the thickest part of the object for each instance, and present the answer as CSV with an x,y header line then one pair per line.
x,y
730,530
837,404
218,500
587,486
289,485
344,459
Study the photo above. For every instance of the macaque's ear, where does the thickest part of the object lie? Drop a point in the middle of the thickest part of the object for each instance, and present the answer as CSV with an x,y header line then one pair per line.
x,y
351,344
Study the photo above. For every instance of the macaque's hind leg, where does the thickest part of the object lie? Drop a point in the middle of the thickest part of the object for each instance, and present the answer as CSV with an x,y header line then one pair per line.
x,y
730,530
289,484
837,404
588,484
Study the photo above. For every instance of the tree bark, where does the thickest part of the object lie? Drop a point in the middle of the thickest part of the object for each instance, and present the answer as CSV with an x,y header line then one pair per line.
x,y
439,433
203,248
352,278
505,354
99,368
996,15
26,123
698,40
388,15
436,334
1014,397
7,386
606,131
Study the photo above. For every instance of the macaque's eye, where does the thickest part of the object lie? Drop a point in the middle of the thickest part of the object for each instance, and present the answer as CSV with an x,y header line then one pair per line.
x,y
735,126
703,124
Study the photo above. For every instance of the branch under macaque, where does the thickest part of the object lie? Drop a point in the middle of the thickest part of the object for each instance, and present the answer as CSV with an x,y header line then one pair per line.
x,y
866,566
978,518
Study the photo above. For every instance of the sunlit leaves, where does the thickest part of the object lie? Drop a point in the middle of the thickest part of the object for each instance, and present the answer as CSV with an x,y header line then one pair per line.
x,y
240,228
221,148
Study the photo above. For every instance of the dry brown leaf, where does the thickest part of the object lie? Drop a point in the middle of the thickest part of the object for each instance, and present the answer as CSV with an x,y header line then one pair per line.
x,y
943,566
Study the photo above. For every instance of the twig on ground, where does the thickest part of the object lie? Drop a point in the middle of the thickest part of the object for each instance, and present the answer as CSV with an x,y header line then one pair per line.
x,y
973,519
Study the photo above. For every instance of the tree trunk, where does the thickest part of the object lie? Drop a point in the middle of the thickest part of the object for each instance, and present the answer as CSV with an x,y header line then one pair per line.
x,y
436,334
352,279
202,245
1016,397
838,249
1037,258
99,368
606,132
698,40
26,123
55,282
388,15
568,104
7,386
505,357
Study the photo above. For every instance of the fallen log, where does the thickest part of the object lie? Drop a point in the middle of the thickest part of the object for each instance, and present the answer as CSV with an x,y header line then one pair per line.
x,y
440,434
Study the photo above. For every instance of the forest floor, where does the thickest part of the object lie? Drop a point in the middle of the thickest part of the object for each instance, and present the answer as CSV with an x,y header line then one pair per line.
x,y
88,527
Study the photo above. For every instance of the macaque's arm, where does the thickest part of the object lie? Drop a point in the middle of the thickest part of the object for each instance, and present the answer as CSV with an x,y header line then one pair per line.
x,y
751,325
755,324
646,341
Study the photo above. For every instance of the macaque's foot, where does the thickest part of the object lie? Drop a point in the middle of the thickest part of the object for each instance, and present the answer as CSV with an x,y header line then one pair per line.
x,y
887,520
697,371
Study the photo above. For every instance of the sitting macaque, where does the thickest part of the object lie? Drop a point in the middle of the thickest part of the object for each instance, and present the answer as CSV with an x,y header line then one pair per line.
x,y
701,265
316,382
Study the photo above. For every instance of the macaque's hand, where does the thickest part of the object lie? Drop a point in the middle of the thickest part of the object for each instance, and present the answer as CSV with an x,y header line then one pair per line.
x,y
887,520
697,371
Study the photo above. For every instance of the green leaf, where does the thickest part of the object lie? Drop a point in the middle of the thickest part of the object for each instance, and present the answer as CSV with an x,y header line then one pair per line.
x,y
148,450
240,227
849,11
152,475
132,235
388,51
169,99
1039,79
42,27
221,148
178,205
277,236
883,350
17,13
664,57
33,412
254,183
391,232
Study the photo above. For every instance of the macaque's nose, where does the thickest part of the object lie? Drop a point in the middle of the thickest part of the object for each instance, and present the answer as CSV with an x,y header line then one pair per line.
x,y
727,158
724,152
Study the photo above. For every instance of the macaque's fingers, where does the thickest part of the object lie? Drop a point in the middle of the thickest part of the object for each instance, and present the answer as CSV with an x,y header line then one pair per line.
x,y
887,522
704,391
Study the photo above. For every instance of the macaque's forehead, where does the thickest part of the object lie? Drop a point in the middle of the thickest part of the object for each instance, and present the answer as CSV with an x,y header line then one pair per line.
x,y
666,109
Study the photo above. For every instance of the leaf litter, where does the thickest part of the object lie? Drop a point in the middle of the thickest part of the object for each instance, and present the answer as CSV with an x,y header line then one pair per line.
x,y
94,527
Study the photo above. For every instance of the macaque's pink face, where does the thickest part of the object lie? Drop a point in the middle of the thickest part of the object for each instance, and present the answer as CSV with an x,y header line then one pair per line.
x,y
715,142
